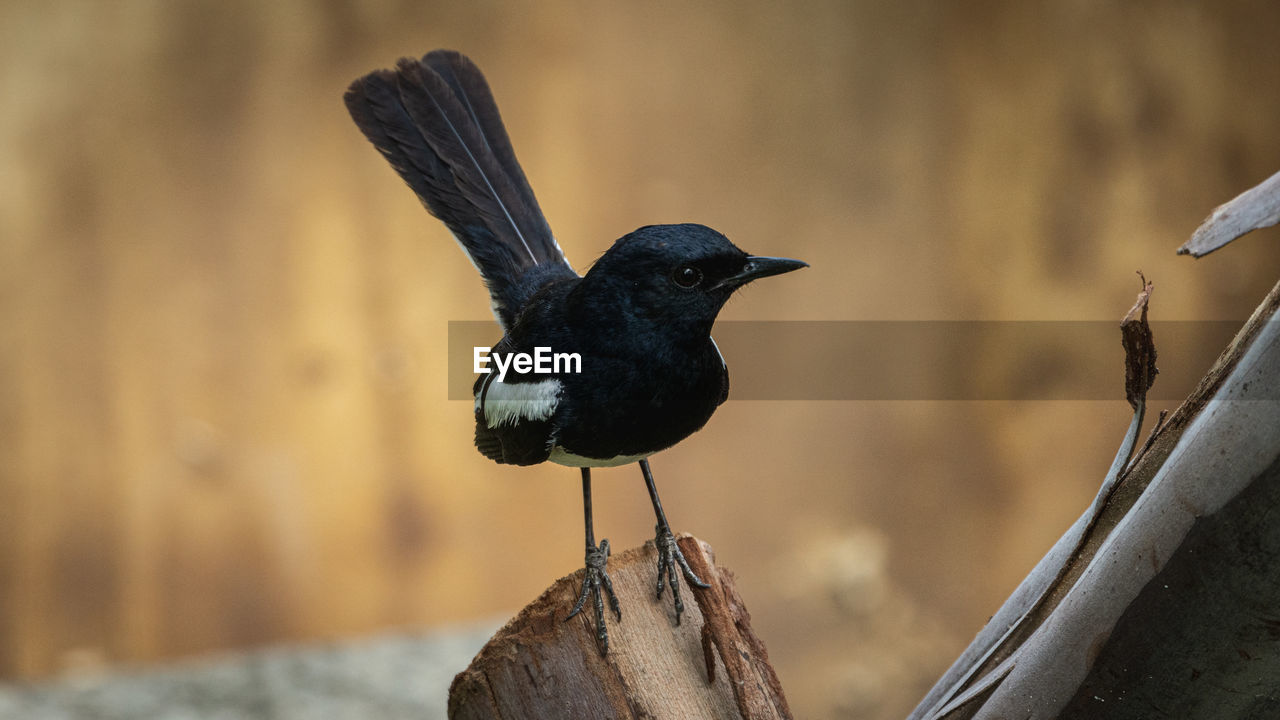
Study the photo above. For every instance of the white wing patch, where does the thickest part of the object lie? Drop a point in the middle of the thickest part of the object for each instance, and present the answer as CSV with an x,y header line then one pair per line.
x,y
508,403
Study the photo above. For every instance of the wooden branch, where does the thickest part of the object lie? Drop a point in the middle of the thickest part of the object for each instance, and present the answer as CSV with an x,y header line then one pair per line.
x,y
1193,505
1254,209
540,666
1158,601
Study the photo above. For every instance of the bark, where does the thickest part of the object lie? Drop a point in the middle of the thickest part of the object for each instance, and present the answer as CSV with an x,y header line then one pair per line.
x,y
540,666
1163,599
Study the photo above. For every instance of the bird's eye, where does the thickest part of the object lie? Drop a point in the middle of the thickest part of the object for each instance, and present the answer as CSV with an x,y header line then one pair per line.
x,y
687,276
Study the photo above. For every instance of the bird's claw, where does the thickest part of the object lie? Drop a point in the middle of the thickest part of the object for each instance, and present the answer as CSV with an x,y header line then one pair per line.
x,y
670,557
593,578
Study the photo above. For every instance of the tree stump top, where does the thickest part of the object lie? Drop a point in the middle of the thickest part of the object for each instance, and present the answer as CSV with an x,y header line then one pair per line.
x,y
539,666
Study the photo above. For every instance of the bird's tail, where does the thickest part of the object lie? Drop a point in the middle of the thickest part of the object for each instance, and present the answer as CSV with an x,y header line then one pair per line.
x,y
436,122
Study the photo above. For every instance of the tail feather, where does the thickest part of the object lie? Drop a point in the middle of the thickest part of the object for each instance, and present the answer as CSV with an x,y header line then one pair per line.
x,y
437,125
374,104
469,86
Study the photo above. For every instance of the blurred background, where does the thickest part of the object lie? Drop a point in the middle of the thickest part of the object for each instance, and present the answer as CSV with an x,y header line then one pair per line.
x,y
223,319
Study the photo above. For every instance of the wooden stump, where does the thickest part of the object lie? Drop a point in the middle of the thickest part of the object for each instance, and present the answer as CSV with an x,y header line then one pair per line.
x,y
540,666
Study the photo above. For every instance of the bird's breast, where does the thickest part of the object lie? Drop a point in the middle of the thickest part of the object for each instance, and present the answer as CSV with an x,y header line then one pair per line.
x,y
623,408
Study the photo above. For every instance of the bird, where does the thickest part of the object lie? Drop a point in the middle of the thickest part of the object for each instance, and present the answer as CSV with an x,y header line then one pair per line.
x,y
639,319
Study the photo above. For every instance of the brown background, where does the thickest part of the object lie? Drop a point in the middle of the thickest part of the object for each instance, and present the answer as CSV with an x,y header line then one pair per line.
x,y
223,416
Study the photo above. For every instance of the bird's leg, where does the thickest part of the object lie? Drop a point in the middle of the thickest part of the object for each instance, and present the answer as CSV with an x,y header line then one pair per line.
x,y
669,555
595,575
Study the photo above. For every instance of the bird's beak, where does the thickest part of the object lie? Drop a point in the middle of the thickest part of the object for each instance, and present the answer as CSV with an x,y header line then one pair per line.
x,y
758,267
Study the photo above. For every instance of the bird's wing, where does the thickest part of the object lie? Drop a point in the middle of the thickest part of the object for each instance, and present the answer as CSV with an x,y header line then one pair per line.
x,y
436,122
514,417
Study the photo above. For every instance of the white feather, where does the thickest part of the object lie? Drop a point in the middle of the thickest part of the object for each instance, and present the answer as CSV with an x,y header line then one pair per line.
x,y
562,255
560,456
717,347
508,403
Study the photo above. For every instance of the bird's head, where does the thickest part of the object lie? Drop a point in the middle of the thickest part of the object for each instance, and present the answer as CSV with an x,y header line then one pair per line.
x,y
676,274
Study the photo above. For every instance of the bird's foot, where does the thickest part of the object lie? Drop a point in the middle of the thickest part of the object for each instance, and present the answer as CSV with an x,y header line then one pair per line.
x,y
669,557
593,579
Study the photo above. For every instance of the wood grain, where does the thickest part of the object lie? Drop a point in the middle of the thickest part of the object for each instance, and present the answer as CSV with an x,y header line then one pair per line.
x,y
540,666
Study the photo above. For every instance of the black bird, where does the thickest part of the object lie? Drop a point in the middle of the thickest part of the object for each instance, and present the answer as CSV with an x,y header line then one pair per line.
x,y
640,319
